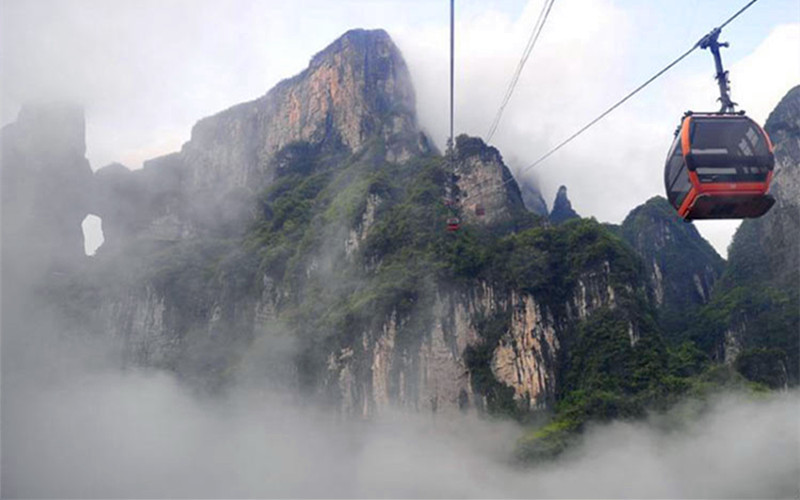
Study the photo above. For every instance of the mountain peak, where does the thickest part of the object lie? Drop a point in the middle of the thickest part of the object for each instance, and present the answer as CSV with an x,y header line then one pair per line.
x,y
681,266
562,208
355,40
486,182
354,92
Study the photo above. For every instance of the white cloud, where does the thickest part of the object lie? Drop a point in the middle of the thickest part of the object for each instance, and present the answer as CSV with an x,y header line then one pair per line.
x,y
140,434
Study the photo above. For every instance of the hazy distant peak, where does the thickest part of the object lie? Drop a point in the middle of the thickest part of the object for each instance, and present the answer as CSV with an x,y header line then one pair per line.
x,y
562,207
61,125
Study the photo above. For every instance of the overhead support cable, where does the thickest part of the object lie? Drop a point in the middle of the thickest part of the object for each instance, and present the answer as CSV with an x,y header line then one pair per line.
x,y
537,30
451,144
699,44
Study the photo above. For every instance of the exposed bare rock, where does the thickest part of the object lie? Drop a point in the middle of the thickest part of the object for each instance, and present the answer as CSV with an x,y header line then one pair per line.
x,y
483,180
526,357
428,375
433,374
331,275
780,227
354,94
356,90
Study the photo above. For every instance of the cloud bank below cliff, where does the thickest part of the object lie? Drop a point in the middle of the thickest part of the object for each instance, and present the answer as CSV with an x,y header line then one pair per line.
x,y
140,434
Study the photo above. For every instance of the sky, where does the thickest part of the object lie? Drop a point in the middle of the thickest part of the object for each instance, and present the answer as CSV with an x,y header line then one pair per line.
x,y
147,70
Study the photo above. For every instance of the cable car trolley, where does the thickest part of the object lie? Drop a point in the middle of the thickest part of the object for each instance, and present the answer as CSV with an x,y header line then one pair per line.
x,y
720,164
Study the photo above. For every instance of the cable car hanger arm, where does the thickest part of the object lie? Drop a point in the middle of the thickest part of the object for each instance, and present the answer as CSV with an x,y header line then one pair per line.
x,y
704,40
711,42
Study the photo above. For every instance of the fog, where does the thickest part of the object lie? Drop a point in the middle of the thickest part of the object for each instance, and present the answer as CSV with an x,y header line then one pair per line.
x,y
77,426
140,435
79,421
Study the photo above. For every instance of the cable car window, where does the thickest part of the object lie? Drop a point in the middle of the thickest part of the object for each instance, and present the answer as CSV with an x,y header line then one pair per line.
x,y
678,183
732,174
744,148
706,174
728,149
674,162
736,136
680,188
710,151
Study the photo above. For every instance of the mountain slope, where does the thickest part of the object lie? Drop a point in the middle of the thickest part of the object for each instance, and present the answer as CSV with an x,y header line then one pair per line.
x,y
300,240
681,266
755,315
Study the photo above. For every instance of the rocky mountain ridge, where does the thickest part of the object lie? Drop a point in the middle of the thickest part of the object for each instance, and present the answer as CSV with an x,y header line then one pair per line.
x,y
755,314
301,238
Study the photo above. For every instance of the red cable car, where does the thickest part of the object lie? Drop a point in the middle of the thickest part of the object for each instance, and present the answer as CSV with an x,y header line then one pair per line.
x,y
453,224
720,164
480,211
719,167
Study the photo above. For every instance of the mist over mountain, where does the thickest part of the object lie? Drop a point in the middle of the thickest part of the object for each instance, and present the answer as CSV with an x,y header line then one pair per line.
x,y
282,298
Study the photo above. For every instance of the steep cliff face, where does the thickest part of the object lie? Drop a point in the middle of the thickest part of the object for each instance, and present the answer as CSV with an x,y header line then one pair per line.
x,y
355,90
354,94
149,203
483,346
756,307
484,181
302,238
681,266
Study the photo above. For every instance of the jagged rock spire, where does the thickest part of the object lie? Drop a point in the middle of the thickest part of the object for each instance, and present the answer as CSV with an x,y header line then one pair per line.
x,y
562,208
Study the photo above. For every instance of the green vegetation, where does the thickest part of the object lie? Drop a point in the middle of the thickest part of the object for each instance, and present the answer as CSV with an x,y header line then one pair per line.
x,y
618,362
683,258
499,397
581,408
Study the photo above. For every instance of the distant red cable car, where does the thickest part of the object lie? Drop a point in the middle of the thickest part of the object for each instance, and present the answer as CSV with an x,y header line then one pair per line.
x,y
719,167
480,211
453,224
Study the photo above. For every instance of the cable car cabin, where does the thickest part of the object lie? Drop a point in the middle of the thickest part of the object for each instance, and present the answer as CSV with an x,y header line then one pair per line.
x,y
453,224
480,211
719,167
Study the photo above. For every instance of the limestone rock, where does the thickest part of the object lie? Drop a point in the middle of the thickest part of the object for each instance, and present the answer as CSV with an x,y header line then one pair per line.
x,y
483,180
356,90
